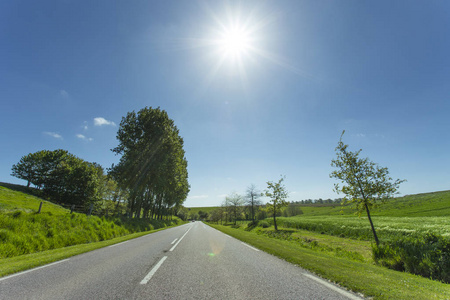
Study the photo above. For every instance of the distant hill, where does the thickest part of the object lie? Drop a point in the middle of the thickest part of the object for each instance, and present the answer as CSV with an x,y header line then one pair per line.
x,y
432,204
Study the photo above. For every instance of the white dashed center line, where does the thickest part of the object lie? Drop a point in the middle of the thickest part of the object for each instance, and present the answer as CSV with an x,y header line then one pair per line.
x,y
153,271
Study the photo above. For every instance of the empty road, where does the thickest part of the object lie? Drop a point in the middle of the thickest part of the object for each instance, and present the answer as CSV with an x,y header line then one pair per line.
x,y
192,261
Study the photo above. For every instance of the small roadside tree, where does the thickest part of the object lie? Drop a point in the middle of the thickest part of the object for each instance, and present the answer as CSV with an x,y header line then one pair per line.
x,y
252,198
365,184
278,194
235,203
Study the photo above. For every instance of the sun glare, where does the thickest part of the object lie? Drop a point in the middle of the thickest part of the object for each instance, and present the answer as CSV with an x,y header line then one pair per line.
x,y
234,42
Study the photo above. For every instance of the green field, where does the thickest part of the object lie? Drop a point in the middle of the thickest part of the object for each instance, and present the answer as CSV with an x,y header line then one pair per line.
x,y
408,215
387,228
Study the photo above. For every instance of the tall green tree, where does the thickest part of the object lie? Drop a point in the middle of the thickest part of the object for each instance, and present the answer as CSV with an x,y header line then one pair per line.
x,y
364,183
153,167
278,194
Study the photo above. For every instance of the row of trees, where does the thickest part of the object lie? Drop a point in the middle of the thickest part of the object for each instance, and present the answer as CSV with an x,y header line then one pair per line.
x,y
153,167
364,183
249,206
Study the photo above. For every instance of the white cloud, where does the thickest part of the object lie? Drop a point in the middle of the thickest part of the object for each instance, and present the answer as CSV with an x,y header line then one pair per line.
x,y
53,134
361,135
82,137
64,94
85,125
99,121
198,197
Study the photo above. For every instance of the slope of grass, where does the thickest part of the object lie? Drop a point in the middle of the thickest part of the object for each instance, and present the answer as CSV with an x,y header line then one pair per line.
x,y
28,261
362,277
13,200
24,231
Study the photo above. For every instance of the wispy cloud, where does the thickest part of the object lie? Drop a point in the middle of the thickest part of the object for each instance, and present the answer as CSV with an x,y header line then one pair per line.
x,y
82,137
53,134
361,135
222,195
99,121
198,197
85,125
64,94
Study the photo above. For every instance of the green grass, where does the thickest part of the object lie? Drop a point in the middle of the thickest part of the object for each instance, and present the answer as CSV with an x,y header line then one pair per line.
x,y
28,261
420,205
359,276
24,231
13,200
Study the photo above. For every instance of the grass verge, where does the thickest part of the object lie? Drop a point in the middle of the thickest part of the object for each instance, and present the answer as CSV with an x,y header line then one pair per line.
x,y
365,278
29,261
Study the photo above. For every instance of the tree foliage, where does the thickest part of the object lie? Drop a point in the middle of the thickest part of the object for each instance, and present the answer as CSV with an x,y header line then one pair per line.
x,y
365,184
61,176
278,194
153,167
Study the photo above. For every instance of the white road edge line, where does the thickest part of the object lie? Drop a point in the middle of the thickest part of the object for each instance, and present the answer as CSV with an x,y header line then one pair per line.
x,y
118,244
249,246
174,246
174,241
153,271
333,287
31,270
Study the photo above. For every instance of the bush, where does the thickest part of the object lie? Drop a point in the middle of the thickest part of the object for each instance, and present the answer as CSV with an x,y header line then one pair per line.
x,y
264,224
24,233
427,256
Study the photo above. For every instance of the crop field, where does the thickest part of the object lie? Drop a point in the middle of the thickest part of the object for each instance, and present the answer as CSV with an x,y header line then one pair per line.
x,y
359,228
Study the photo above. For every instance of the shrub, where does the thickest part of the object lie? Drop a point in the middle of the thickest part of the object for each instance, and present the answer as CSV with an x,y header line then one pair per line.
x,y
427,256
264,224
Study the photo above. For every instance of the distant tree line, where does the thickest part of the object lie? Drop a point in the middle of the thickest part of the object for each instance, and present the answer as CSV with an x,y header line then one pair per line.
x,y
249,206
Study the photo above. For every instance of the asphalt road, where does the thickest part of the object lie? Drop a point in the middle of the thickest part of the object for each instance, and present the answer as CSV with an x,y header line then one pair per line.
x,y
192,261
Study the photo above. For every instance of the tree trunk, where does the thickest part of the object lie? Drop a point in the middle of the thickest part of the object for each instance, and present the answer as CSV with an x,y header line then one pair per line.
x,y
371,224
275,220
253,210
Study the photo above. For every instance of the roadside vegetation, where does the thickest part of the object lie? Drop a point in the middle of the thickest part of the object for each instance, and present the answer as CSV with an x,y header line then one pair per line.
x,y
408,236
410,241
24,231
346,262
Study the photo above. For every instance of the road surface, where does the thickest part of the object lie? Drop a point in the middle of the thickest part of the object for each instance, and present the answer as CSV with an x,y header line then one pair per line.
x,y
192,261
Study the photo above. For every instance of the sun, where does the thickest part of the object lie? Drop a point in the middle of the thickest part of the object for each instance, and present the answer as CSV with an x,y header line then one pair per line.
x,y
234,42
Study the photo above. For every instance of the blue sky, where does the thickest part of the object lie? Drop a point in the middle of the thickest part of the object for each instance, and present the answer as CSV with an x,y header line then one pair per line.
x,y
70,70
